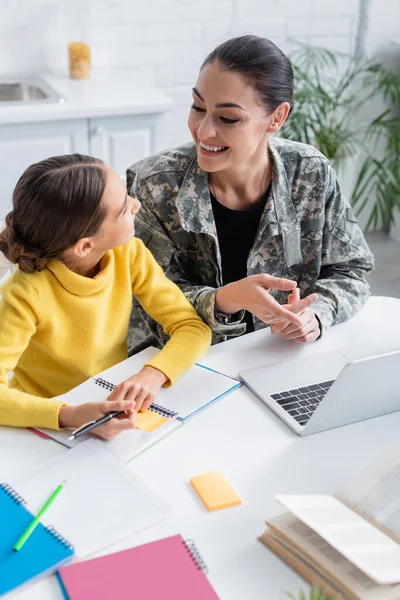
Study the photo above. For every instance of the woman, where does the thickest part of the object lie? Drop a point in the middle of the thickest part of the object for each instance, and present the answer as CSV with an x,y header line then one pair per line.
x,y
228,214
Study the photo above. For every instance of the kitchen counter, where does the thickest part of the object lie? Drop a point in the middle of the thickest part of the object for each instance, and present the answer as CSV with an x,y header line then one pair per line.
x,y
109,116
105,95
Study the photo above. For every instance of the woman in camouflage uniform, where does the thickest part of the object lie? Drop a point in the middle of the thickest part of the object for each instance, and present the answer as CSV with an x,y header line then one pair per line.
x,y
234,215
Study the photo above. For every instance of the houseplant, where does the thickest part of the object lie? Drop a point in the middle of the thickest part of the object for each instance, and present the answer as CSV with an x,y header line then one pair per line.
x,y
315,594
345,108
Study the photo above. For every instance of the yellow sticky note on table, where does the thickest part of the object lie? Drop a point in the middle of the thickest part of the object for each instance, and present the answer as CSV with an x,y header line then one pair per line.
x,y
149,420
215,491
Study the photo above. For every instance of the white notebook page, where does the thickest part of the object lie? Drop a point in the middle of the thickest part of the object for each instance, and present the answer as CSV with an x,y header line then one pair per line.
x,y
192,392
101,503
129,443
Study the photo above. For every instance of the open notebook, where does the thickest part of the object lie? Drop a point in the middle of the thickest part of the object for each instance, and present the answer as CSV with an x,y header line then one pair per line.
x,y
42,554
194,391
102,501
167,568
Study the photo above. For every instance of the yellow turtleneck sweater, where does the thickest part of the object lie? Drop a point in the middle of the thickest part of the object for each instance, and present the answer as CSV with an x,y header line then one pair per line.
x,y
58,328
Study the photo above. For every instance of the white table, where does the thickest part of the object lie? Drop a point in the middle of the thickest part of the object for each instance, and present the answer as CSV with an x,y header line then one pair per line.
x,y
258,453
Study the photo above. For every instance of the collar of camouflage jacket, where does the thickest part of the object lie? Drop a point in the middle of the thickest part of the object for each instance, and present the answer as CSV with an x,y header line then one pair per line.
x,y
279,217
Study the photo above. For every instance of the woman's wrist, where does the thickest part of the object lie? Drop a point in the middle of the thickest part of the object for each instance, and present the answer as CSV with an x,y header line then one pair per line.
x,y
223,300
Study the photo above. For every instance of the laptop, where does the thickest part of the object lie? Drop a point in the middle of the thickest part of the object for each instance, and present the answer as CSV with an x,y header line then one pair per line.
x,y
330,389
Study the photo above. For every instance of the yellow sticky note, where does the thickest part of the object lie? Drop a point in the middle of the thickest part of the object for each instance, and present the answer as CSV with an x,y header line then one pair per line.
x,y
149,420
215,491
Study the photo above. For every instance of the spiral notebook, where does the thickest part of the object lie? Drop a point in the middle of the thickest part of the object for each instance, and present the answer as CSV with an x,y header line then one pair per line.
x,y
42,554
167,568
102,501
194,391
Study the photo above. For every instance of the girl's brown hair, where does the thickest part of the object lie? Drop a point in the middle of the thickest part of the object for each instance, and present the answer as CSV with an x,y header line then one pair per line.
x,y
56,202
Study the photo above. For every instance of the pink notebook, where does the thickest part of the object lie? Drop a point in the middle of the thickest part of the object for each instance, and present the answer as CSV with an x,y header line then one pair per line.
x,y
168,568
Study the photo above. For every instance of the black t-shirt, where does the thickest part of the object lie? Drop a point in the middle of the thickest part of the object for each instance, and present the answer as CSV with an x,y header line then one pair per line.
x,y
236,230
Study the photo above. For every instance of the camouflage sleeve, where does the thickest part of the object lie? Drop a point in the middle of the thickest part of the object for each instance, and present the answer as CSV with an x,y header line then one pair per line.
x,y
154,234
346,259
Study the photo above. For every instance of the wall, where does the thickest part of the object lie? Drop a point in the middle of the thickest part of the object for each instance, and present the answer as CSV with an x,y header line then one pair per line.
x,y
160,42
383,39
163,42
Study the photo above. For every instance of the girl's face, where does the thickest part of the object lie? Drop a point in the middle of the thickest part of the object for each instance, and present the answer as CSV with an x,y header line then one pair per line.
x,y
118,226
226,120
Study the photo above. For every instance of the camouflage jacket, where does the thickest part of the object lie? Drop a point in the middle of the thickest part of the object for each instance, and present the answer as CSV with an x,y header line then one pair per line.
x,y
307,233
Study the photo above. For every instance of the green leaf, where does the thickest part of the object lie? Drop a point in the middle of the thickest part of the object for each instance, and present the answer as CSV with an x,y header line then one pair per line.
x,y
364,181
331,91
315,57
315,594
387,83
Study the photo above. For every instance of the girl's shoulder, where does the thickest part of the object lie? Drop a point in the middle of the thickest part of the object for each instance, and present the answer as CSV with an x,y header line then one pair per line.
x,y
20,284
133,258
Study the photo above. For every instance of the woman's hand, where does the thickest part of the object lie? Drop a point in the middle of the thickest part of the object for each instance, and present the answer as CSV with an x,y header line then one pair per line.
x,y
252,294
76,416
309,329
142,388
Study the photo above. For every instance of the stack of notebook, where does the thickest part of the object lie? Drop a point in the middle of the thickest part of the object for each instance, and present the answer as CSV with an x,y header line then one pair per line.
x,y
101,502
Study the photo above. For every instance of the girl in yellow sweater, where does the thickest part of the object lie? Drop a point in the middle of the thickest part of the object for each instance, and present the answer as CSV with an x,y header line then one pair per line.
x,y
64,313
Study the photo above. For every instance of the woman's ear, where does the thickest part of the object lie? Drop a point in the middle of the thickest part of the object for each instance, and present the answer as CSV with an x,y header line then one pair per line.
x,y
278,117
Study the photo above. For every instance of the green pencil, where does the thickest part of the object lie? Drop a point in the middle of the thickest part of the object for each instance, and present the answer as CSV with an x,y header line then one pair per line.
x,y
36,520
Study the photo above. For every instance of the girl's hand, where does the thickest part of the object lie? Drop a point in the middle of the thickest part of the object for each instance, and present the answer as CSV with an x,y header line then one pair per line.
x,y
142,388
76,416
252,294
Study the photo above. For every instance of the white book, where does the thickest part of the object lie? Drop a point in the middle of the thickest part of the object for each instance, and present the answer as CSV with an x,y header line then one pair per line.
x,y
101,503
194,391
349,543
369,549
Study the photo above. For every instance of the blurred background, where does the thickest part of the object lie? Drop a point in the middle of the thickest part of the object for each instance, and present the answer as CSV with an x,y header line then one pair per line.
x,y
132,95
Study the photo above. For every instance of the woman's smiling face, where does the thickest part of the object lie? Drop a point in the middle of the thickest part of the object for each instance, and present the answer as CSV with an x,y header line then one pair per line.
x,y
226,120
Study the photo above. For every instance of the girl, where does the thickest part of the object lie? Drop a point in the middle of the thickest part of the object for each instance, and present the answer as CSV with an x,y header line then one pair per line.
x,y
64,313
234,214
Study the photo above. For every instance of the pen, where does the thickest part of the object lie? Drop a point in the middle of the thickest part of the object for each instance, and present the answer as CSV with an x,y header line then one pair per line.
x,y
32,525
89,426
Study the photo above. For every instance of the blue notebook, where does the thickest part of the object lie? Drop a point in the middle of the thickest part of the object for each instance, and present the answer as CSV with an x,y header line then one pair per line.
x,y
43,552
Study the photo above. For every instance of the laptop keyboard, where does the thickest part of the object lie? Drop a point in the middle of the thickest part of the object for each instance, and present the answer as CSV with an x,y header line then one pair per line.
x,y
301,403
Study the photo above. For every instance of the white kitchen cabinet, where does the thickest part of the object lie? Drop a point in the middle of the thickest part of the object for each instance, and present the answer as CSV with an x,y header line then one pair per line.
x,y
22,144
120,141
112,118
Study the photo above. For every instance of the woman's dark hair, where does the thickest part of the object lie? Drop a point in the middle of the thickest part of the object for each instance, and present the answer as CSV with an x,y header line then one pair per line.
x,y
265,67
56,202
